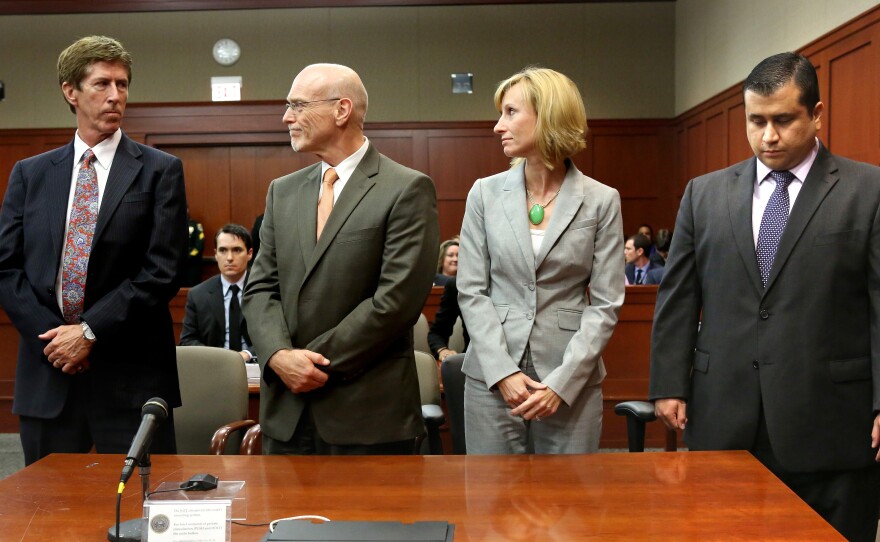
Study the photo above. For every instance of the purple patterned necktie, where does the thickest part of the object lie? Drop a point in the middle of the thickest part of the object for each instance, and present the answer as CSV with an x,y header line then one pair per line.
x,y
773,223
78,245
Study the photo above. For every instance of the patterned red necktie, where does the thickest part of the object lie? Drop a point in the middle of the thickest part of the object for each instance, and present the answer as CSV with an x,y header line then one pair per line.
x,y
78,245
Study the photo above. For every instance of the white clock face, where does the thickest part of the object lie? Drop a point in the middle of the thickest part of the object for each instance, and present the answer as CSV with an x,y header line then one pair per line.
x,y
226,52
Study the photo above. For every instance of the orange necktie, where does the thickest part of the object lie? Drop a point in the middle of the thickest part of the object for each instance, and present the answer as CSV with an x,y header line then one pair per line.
x,y
325,204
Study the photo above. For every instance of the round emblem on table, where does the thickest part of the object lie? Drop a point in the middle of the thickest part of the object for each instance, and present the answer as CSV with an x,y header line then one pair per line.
x,y
160,523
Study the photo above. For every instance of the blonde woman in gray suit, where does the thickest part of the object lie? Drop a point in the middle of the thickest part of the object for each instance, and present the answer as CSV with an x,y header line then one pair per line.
x,y
539,279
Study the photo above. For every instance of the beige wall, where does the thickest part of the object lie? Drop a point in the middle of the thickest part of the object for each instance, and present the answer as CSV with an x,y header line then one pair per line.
x,y
620,55
718,42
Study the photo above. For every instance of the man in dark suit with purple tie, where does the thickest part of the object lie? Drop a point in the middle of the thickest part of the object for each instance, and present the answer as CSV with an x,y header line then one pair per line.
x,y
94,234
767,326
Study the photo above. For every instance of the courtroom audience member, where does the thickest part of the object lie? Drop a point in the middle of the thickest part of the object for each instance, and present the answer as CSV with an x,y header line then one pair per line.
x,y
635,252
534,238
94,244
662,242
213,308
444,322
766,327
346,264
651,253
447,262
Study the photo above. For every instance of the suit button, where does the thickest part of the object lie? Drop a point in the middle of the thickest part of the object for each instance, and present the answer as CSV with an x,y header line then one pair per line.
x,y
755,364
530,315
764,314
531,286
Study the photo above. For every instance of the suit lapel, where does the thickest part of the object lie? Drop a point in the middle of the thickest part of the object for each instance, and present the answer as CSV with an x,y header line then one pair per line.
x,y
360,182
740,191
570,199
513,200
217,308
59,178
821,178
305,207
123,171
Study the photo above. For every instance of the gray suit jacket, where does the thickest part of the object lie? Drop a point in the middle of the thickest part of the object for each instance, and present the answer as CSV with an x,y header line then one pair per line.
x,y
353,297
806,347
510,298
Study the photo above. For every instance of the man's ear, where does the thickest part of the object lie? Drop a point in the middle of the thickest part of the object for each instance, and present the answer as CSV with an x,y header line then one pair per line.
x,y
343,110
69,93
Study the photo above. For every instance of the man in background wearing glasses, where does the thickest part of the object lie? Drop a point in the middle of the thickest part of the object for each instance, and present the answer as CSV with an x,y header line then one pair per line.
x,y
345,265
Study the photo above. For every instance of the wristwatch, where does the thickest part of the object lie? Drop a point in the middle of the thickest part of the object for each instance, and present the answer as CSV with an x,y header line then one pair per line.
x,y
88,334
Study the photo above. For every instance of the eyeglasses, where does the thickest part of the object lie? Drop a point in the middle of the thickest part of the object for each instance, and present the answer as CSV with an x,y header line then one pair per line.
x,y
299,107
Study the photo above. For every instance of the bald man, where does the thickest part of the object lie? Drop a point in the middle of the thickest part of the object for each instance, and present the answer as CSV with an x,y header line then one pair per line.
x,y
346,262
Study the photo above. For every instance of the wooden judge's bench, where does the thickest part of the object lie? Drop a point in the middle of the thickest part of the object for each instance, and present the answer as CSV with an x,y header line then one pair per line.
x,y
626,359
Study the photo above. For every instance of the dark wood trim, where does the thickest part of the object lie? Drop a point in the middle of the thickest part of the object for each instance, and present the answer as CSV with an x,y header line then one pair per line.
x,y
46,7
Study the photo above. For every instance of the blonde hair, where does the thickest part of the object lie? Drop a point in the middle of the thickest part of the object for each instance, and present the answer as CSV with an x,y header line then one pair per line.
x,y
561,128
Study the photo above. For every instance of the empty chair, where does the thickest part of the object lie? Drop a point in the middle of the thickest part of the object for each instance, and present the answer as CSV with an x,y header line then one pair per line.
x,y
420,334
456,340
429,390
453,388
214,392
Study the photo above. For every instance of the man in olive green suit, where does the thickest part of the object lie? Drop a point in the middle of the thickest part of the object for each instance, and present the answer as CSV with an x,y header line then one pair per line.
x,y
346,261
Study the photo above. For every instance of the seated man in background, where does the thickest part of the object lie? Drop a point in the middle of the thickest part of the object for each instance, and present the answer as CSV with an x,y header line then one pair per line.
x,y
637,263
213,308
444,321
661,242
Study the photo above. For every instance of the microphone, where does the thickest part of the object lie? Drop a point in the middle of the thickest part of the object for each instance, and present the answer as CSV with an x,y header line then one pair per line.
x,y
155,412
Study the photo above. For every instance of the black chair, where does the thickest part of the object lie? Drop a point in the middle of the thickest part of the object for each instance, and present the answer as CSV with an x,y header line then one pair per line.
x,y
639,413
453,388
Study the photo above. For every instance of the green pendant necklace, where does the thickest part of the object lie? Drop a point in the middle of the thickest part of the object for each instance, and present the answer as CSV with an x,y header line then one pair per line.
x,y
536,213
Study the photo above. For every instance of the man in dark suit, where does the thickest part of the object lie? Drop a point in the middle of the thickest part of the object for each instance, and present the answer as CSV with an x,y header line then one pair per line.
x,y
210,304
94,235
635,252
345,265
780,254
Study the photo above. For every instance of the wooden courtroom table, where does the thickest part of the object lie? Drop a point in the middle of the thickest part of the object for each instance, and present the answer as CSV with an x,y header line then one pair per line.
x,y
682,496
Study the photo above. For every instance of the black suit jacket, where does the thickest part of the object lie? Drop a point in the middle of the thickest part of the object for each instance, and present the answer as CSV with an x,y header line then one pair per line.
x,y
204,323
630,271
805,349
138,248
444,321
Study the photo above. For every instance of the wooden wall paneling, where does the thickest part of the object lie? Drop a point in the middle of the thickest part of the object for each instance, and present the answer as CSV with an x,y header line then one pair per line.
x,y
252,170
9,347
456,159
738,148
696,149
395,144
851,102
716,140
206,171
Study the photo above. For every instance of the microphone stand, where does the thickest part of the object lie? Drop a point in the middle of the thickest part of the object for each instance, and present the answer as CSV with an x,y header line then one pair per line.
x,y
132,529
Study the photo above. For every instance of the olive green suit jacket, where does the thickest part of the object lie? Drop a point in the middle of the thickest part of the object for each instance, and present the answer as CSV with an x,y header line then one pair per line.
x,y
353,297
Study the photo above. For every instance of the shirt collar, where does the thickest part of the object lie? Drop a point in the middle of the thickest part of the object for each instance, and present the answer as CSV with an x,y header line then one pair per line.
x,y
104,151
346,167
800,171
226,284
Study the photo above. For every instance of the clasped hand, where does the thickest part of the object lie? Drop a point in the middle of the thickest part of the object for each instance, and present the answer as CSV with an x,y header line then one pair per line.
x,y
528,398
67,350
298,369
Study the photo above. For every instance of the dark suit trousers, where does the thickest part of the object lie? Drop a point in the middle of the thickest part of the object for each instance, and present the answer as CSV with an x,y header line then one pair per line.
x,y
847,499
306,441
81,426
